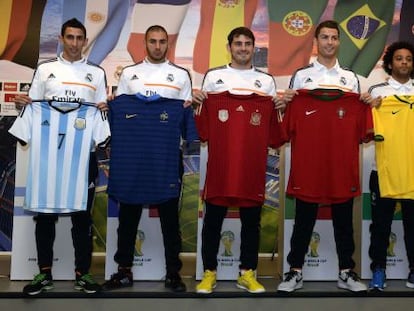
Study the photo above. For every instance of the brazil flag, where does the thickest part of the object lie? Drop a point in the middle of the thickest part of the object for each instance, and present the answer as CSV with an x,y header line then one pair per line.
x,y
364,28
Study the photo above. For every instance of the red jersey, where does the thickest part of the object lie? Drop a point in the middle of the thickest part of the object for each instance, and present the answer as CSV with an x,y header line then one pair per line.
x,y
238,129
325,128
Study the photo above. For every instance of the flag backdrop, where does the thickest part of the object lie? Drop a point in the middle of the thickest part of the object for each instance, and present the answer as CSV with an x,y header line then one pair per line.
x,y
167,13
217,19
364,25
103,20
17,44
407,21
291,30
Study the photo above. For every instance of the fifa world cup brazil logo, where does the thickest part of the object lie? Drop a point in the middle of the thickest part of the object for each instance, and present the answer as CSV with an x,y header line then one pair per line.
x,y
314,244
138,243
391,244
227,238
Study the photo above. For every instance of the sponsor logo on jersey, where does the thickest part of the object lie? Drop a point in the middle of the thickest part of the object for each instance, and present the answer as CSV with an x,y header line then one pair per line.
x,y
228,4
395,112
240,108
309,112
134,77
308,80
45,123
223,115
130,116
51,76
219,81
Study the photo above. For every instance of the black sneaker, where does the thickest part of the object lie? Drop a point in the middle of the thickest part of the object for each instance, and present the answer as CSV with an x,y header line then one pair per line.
x,y
175,283
41,282
87,284
120,279
410,279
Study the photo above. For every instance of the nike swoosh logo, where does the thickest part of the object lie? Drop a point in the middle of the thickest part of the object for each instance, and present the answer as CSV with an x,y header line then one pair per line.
x,y
394,112
310,112
129,116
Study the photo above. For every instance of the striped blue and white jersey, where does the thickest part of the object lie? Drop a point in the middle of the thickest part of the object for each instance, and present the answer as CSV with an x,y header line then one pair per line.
x,y
60,136
145,147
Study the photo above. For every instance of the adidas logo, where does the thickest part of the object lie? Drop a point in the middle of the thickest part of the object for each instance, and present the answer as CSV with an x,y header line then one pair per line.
x,y
45,123
51,76
219,81
308,80
91,185
240,108
134,77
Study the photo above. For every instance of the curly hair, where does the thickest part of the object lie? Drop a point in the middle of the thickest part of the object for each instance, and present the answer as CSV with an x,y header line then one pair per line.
x,y
389,54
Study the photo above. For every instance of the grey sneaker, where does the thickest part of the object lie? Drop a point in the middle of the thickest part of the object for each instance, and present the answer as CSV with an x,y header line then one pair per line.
x,y
293,280
410,279
349,280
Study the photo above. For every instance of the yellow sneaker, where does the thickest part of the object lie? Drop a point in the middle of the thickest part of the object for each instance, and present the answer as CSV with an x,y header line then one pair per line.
x,y
207,283
248,282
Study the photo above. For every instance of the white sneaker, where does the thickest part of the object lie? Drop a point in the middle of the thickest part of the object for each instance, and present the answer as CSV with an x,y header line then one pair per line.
x,y
293,280
349,280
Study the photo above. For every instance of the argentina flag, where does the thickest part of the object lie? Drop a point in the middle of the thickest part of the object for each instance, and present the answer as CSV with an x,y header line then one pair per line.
x,y
103,19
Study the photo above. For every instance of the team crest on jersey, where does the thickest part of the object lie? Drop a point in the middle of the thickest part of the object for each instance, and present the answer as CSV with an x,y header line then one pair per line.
x,y
170,77
341,113
223,115
256,118
164,116
80,124
297,23
258,84
342,81
89,77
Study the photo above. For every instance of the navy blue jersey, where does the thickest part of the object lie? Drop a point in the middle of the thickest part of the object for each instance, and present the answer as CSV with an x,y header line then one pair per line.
x,y
145,147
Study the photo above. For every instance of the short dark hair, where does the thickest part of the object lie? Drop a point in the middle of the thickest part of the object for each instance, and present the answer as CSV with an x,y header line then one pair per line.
x,y
327,24
155,28
240,31
74,23
389,54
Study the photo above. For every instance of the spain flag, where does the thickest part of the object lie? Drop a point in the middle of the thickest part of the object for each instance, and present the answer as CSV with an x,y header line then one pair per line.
x,y
167,13
103,19
217,19
291,30
365,25
20,30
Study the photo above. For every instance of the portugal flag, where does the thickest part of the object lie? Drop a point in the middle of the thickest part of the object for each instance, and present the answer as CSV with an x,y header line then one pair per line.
x,y
364,26
291,31
217,19
407,21
103,20
20,30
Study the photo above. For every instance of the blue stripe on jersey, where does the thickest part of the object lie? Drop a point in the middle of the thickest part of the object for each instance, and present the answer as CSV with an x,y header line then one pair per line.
x,y
44,145
61,146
